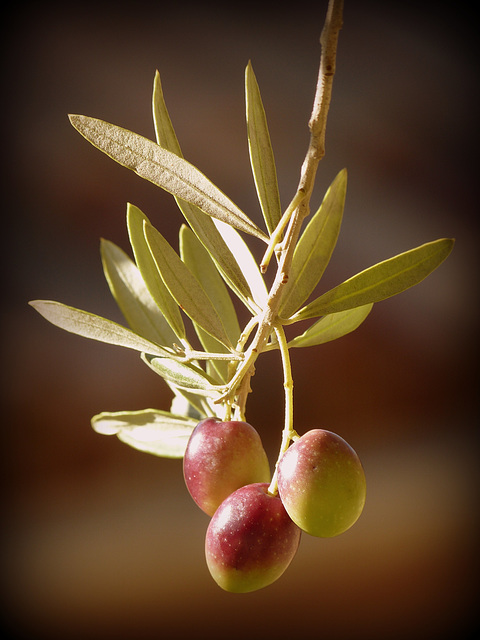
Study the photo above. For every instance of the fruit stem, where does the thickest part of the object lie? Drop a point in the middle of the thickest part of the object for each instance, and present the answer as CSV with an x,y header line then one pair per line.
x,y
288,431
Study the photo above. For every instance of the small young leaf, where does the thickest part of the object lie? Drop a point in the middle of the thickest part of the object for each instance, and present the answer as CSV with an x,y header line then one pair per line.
x,y
149,272
261,153
315,247
331,327
182,375
132,296
380,281
165,169
157,432
95,327
184,287
202,225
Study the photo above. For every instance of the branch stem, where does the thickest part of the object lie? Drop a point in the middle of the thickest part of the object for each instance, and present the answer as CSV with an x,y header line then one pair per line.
x,y
299,208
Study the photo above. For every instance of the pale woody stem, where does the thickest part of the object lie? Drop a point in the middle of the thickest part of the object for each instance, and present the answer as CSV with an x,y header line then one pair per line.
x,y
268,319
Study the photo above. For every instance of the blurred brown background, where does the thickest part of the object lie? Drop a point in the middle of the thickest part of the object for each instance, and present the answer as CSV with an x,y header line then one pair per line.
x,y
101,541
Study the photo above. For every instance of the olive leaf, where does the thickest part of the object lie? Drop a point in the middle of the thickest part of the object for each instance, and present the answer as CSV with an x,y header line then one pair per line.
x,y
202,225
197,258
380,281
132,296
183,375
332,326
164,131
315,247
152,431
95,327
184,404
184,286
164,169
149,271
187,403
249,266
261,152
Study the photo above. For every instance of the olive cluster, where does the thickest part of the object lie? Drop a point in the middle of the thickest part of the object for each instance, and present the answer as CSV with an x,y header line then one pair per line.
x,y
254,533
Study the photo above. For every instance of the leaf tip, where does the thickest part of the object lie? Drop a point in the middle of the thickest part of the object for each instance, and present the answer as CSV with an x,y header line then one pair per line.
x,y
41,307
37,304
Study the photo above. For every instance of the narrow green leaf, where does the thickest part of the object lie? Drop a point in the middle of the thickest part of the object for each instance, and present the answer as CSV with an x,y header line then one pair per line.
x,y
150,274
380,281
261,152
157,432
202,225
208,234
164,169
331,327
245,259
164,131
187,403
95,327
184,404
315,247
132,296
197,259
182,375
184,286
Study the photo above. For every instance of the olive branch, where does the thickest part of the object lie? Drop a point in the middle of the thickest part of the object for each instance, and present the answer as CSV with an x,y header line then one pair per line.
x,y
160,289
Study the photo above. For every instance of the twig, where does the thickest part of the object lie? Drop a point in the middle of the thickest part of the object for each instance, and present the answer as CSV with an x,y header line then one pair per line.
x,y
300,205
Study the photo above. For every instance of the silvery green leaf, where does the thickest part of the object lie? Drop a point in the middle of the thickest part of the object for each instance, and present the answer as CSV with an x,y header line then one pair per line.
x,y
164,131
315,247
331,327
216,369
261,153
201,224
211,239
194,402
184,404
197,259
149,271
380,281
182,375
164,169
184,286
157,432
249,267
132,296
95,327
